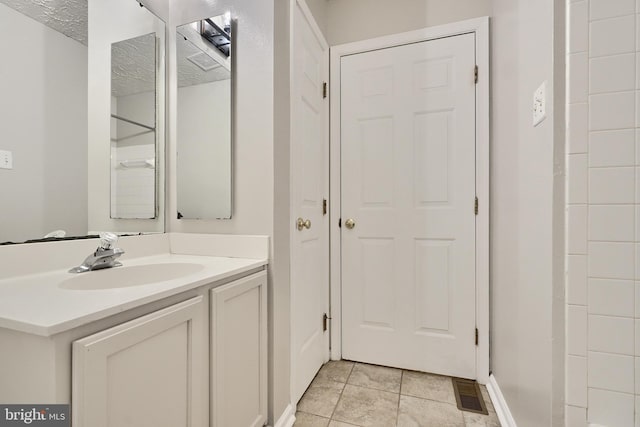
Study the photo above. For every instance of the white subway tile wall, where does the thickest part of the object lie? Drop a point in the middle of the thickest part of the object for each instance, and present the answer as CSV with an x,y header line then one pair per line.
x,y
603,213
610,408
578,128
577,381
577,282
612,148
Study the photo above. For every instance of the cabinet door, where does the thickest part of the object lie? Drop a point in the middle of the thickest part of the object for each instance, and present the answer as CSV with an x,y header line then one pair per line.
x,y
149,372
239,353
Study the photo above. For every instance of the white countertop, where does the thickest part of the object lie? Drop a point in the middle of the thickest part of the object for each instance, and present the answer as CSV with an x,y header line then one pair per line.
x,y
36,303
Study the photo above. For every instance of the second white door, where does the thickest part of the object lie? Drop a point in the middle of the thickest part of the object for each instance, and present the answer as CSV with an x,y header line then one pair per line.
x,y
408,195
309,183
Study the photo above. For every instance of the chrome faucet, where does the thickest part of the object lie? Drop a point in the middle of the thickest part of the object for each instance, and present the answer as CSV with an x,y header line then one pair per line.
x,y
103,257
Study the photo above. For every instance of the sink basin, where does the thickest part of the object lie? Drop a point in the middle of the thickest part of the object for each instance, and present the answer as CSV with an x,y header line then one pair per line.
x,y
129,276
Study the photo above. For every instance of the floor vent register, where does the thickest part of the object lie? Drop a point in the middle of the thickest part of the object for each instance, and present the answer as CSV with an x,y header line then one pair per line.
x,y
468,396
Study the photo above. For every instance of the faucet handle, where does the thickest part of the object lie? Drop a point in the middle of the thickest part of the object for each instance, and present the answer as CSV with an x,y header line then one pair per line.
x,y
108,240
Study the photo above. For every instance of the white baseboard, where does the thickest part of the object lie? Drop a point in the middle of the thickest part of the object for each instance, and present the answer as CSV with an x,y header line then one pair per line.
x,y
287,418
500,405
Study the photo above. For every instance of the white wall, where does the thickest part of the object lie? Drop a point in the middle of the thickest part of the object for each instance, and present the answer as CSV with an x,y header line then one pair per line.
x,y
352,20
253,112
254,151
282,227
603,215
204,150
111,22
320,11
527,211
44,123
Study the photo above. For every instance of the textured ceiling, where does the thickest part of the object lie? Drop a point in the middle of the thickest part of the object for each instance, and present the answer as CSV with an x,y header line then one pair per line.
x,y
133,66
190,74
68,17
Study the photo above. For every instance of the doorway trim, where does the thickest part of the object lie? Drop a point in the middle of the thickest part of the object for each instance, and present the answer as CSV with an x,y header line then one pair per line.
x,y
480,27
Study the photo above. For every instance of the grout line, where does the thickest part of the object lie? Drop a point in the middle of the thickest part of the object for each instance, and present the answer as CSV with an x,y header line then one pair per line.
x,y
337,403
314,415
605,166
632,393
341,392
624,15
399,397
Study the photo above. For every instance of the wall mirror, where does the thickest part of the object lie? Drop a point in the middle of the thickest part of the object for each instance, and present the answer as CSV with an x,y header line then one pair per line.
x,y
55,81
204,51
133,128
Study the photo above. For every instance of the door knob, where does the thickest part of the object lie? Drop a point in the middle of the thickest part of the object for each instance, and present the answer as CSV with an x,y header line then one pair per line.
x,y
301,223
350,223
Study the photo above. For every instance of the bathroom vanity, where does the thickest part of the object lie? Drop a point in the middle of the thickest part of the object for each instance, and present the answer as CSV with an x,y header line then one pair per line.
x,y
177,336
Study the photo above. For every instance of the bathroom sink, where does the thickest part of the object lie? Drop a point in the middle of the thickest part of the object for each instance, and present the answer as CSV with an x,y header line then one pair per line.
x,y
129,276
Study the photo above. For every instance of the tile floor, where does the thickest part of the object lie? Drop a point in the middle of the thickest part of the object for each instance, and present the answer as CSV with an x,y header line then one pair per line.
x,y
346,394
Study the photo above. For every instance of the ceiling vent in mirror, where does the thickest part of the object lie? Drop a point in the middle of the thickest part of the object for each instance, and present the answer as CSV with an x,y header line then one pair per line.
x,y
218,35
203,61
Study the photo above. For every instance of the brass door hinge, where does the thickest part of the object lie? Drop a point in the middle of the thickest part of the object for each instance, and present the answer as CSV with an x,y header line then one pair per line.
x,y
324,90
475,206
476,336
475,74
324,206
325,322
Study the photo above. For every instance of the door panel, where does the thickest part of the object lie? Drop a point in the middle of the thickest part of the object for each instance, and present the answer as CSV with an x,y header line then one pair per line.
x,y
408,182
309,171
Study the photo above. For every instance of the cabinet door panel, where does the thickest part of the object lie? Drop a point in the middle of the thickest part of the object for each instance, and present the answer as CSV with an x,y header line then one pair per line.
x,y
146,372
239,353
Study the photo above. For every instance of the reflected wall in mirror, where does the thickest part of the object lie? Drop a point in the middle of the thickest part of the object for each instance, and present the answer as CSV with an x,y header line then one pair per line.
x,y
204,131
48,98
133,128
126,117
43,117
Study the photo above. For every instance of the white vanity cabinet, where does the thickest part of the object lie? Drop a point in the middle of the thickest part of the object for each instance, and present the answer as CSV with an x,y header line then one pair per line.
x,y
150,371
196,363
176,337
239,353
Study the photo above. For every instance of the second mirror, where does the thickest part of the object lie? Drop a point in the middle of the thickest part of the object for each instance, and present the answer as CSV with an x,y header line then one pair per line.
x,y
204,131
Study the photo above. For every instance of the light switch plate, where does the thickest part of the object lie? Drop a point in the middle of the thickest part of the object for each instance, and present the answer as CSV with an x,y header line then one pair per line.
x,y
540,104
6,159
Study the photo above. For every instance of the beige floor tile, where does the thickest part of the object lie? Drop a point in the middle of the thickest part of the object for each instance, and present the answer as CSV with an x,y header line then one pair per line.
x,y
378,377
428,386
479,420
415,412
309,420
335,423
367,407
321,398
336,370
319,381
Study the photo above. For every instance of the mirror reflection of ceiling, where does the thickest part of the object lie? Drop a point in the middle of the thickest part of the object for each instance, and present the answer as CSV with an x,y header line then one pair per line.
x,y
188,55
69,17
133,66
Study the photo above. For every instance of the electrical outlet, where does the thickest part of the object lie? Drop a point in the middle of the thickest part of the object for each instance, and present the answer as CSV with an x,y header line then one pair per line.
x,y
6,160
540,104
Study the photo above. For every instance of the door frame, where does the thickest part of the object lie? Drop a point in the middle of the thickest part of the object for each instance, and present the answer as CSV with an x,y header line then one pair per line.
x,y
308,16
480,27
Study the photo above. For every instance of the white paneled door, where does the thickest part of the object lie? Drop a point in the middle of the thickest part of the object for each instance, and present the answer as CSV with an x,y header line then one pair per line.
x,y
408,196
309,188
